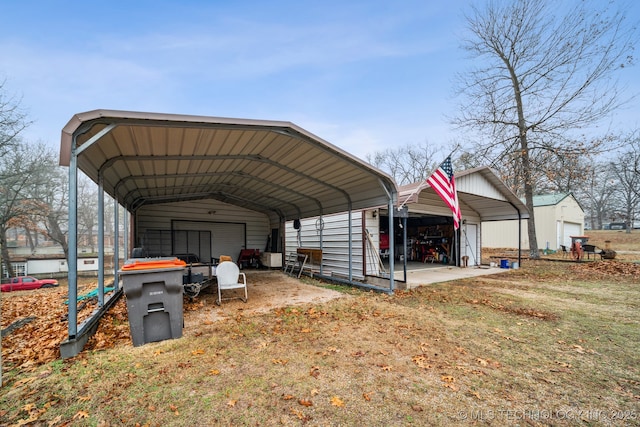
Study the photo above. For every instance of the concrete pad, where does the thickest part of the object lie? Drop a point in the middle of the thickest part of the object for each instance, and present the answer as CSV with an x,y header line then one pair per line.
x,y
425,276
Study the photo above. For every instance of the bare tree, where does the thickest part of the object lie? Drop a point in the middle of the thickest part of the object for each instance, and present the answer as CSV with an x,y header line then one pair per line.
x,y
19,172
597,191
625,168
87,209
13,120
540,78
52,191
406,164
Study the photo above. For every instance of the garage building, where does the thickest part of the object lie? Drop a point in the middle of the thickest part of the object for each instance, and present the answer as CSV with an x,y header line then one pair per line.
x,y
426,230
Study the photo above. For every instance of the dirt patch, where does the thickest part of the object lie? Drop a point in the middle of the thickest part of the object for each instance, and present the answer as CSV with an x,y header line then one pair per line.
x,y
267,290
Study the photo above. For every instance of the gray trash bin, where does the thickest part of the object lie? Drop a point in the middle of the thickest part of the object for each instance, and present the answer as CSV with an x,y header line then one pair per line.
x,y
154,303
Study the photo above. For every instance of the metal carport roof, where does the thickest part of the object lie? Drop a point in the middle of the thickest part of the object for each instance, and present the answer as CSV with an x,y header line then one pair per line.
x,y
273,167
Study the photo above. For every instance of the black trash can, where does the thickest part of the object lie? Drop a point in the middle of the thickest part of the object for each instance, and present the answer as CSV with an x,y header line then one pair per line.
x,y
154,303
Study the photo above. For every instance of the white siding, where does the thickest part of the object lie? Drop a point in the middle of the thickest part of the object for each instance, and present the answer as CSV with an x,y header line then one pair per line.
x,y
554,223
503,234
478,184
43,266
59,265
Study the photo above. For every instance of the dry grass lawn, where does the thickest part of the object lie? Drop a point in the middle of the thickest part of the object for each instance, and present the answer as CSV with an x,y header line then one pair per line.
x,y
553,343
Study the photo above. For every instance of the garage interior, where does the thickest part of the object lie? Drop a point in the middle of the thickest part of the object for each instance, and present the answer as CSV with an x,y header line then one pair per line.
x,y
429,239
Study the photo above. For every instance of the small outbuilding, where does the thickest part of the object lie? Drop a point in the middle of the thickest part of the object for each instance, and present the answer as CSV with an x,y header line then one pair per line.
x,y
557,216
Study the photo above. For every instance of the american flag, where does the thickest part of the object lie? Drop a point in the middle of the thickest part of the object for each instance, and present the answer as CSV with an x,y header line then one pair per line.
x,y
444,184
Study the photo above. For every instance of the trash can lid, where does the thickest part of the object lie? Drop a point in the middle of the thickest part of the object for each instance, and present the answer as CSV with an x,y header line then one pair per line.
x,y
154,264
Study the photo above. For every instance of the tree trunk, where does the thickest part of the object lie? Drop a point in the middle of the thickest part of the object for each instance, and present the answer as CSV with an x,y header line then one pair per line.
x,y
6,259
528,195
58,236
30,240
90,239
524,161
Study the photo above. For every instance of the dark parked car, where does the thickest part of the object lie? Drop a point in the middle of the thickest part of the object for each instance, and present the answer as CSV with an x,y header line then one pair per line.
x,y
25,283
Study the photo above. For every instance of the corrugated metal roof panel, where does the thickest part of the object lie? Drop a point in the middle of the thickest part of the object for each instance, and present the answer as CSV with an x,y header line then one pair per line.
x,y
272,167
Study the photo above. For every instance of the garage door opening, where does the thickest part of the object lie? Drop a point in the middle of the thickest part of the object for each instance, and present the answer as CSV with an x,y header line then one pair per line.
x,y
429,240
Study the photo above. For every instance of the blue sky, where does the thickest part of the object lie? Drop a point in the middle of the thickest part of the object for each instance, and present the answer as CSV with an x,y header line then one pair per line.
x,y
363,75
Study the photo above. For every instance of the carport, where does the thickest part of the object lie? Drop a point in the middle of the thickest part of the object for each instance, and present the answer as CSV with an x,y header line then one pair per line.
x,y
139,159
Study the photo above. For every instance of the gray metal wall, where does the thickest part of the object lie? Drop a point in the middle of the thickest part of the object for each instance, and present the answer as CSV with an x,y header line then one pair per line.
x,y
335,239
208,215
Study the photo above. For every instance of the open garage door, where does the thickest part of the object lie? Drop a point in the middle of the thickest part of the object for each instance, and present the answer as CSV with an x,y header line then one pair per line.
x,y
429,238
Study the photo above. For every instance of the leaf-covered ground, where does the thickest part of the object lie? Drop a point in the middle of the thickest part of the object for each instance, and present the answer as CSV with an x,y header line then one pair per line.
x,y
552,343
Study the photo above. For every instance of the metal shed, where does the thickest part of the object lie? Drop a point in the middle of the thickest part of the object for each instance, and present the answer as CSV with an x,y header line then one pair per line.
x,y
272,167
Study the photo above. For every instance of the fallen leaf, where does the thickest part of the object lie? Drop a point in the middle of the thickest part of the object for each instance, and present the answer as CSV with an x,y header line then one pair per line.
x,y
214,372
422,361
305,402
298,414
482,362
81,415
451,386
56,421
28,407
475,394
197,352
367,396
336,401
